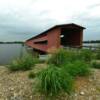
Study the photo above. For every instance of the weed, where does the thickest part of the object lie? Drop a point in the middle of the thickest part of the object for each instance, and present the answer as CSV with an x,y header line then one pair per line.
x,y
77,68
53,81
24,63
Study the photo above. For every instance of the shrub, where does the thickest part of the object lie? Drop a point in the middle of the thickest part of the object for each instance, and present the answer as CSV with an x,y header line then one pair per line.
x,y
53,81
24,63
96,65
77,68
62,56
86,55
32,74
58,58
98,54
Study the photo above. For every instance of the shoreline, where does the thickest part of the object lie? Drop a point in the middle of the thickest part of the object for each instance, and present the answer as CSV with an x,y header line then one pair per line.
x,y
18,85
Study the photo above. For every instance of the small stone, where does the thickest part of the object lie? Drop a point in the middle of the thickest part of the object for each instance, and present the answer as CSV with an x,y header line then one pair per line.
x,y
75,94
15,94
11,89
82,93
90,80
90,98
30,97
92,89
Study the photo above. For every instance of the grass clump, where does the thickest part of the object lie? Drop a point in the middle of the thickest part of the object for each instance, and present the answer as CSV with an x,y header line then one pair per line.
x,y
77,68
61,57
31,75
58,58
86,55
63,67
53,81
96,64
24,63
98,54
76,63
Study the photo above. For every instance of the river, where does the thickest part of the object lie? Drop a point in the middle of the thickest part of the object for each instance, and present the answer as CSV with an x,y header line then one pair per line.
x,y
8,52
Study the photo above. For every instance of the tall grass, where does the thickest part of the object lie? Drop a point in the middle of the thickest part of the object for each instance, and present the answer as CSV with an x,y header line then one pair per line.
x,y
63,67
76,63
31,75
98,54
58,58
96,64
62,56
24,63
77,68
53,81
86,55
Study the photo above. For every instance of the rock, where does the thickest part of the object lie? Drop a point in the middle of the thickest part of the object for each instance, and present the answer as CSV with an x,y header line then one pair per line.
x,y
16,97
93,89
90,80
30,97
11,89
15,94
82,93
75,94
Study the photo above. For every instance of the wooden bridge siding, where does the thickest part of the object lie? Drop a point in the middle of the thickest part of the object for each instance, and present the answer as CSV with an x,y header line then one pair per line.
x,y
36,46
40,38
53,38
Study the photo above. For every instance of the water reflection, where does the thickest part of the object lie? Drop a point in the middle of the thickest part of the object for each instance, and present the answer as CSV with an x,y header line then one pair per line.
x,y
8,52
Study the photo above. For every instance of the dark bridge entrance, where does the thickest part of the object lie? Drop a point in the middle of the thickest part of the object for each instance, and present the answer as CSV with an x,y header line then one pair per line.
x,y
71,37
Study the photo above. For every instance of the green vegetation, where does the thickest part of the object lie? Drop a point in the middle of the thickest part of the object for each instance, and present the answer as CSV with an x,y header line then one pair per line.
x,y
52,81
63,64
61,57
58,58
98,54
96,64
63,67
86,55
32,74
24,63
77,68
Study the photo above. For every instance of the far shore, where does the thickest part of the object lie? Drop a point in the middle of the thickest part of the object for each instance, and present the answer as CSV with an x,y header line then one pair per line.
x,y
14,42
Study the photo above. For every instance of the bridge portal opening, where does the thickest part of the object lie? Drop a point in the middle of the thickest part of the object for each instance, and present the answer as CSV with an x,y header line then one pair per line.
x,y
70,37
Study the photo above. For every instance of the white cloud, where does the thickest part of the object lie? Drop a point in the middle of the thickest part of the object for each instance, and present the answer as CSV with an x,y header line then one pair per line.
x,y
33,16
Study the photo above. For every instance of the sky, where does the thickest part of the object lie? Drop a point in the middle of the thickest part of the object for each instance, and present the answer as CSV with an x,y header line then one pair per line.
x,y
22,19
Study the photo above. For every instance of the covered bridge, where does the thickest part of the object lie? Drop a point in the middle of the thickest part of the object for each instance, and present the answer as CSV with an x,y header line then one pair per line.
x,y
65,35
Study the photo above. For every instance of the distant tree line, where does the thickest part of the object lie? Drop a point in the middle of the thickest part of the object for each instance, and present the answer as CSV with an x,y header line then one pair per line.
x,y
92,41
14,42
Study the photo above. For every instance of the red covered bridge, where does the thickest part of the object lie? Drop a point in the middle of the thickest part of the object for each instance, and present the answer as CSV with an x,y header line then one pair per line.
x,y
65,35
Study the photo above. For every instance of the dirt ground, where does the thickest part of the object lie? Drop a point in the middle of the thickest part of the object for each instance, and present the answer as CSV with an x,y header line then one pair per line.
x,y
18,86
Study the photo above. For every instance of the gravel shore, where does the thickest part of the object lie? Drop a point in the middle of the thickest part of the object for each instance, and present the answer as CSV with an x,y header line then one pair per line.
x,y
17,86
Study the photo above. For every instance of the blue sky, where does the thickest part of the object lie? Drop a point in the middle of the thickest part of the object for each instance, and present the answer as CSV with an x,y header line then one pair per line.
x,y
22,19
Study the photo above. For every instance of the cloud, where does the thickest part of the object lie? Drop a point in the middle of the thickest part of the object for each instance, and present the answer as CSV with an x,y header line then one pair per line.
x,y
94,6
21,19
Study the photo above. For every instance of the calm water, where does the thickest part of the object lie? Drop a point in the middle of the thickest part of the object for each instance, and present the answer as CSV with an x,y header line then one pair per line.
x,y
91,44
8,52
